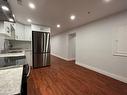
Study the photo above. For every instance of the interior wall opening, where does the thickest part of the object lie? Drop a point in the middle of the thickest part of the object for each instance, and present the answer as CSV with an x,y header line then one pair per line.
x,y
72,47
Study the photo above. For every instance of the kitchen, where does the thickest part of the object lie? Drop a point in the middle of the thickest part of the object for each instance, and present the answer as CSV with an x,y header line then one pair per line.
x,y
15,51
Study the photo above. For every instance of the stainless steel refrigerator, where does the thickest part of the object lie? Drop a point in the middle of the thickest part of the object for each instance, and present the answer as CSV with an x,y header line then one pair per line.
x,y
41,49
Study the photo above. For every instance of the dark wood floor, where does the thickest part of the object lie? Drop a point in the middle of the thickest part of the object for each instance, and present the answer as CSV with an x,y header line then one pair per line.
x,y
67,78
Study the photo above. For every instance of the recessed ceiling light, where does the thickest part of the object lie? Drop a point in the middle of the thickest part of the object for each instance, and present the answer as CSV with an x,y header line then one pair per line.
x,y
58,25
29,20
5,8
31,5
107,1
72,17
10,19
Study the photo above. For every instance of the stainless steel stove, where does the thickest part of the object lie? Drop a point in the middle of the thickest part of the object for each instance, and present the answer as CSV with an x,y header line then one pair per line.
x,y
6,62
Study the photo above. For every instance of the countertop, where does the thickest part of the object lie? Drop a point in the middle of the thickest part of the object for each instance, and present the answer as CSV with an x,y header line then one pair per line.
x,y
21,49
10,80
13,54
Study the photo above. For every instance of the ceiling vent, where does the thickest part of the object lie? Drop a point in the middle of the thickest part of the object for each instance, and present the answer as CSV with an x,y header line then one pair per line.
x,y
19,2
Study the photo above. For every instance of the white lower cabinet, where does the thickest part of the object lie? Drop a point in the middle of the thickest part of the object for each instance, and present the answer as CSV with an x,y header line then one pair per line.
x,y
29,57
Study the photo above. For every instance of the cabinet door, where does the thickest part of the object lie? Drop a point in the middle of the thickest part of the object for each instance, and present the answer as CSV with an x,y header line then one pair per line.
x,y
20,31
7,28
29,57
28,33
1,27
12,29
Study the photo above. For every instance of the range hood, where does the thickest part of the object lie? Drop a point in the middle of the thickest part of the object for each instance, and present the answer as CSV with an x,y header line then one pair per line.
x,y
5,15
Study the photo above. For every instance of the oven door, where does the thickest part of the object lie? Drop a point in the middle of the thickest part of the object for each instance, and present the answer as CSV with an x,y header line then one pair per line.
x,y
26,72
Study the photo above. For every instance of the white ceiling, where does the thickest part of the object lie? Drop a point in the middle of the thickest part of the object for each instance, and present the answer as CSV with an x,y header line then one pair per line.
x,y
52,12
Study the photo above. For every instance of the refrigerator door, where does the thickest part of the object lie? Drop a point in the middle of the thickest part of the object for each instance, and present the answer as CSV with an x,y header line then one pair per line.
x,y
45,46
41,42
37,42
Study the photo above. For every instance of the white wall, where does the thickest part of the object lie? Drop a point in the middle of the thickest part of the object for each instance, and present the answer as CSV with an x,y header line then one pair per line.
x,y
59,45
94,46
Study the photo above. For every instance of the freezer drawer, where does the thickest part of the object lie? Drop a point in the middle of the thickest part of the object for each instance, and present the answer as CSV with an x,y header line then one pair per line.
x,y
41,60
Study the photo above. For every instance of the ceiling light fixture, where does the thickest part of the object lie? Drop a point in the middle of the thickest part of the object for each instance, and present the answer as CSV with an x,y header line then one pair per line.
x,y
10,19
58,25
72,17
29,20
31,5
5,8
107,1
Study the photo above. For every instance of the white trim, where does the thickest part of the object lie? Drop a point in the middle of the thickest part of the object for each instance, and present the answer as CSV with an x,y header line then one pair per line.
x,y
120,54
117,77
71,59
60,57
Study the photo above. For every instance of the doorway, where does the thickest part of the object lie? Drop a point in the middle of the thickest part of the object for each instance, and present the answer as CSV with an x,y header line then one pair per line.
x,y
72,47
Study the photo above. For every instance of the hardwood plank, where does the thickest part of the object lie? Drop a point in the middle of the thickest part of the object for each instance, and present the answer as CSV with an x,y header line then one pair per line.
x,y
67,78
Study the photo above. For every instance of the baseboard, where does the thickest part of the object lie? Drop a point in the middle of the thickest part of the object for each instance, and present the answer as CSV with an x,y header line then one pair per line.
x,y
117,77
60,57
71,59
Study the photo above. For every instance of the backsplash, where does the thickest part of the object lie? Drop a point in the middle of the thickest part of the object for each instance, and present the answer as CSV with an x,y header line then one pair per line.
x,y
14,44
21,44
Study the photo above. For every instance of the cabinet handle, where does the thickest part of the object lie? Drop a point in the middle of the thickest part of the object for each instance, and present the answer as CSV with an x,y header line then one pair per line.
x,y
7,29
28,71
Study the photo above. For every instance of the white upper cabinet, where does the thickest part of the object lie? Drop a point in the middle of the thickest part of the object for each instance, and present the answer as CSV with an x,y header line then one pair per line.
x,y
23,32
20,31
12,29
16,31
40,28
28,33
6,28
2,27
